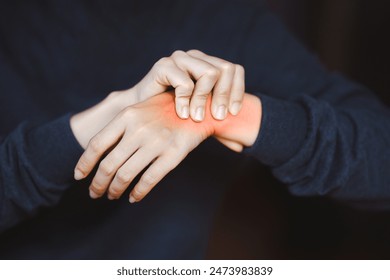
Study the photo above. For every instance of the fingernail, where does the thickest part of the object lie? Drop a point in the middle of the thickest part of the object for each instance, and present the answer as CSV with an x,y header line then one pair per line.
x,y
221,112
110,197
131,199
236,106
199,114
78,175
185,112
92,194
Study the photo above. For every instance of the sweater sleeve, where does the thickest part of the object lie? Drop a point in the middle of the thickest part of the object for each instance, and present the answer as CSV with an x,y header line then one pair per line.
x,y
317,148
321,134
36,167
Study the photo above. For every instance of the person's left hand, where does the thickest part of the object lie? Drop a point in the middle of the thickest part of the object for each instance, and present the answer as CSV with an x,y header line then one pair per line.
x,y
143,134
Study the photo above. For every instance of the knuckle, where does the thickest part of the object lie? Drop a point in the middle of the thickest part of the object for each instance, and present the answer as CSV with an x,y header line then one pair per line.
x,y
212,72
162,61
177,53
106,167
164,136
115,191
83,164
227,66
223,95
194,52
200,97
137,194
185,89
113,95
123,177
239,98
95,144
97,188
240,68
127,113
169,166
188,85
149,179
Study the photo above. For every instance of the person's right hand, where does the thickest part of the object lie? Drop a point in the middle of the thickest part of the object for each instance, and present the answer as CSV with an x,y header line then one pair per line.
x,y
148,134
195,75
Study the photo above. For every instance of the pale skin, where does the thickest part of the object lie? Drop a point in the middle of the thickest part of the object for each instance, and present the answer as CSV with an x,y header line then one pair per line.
x,y
126,138
211,74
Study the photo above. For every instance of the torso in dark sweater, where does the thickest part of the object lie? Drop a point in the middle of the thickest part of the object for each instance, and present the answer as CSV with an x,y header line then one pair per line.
x,y
63,56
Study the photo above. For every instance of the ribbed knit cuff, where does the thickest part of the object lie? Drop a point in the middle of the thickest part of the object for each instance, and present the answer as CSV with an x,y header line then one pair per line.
x,y
56,150
283,129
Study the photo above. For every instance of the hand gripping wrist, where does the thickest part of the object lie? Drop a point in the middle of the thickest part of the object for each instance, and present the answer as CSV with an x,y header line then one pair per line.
x,y
242,128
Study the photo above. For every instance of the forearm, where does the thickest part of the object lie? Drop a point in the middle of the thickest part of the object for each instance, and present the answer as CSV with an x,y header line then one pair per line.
x,y
36,167
316,148
37,162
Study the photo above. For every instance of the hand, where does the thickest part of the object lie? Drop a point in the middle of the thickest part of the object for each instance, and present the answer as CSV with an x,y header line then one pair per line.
x,y
146,133
88,123
194,75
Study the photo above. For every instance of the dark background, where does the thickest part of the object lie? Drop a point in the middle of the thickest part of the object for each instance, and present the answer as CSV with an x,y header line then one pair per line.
x,y
258,218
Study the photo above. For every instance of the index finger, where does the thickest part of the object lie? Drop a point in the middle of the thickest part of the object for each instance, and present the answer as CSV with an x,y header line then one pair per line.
x,y
97,146
154,174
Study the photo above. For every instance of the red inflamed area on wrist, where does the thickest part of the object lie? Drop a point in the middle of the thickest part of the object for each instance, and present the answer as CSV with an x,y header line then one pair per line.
x,y
242,128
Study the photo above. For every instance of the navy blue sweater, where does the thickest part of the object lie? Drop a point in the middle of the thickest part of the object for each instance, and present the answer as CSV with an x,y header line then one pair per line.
x,y
321,134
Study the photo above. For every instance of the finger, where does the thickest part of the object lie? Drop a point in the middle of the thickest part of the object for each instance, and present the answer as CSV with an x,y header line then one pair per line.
x,y
232,145
165,73
133,166
221,93
97,146
153,175
206,76
169,74
237,90
222,89
203,89
110,164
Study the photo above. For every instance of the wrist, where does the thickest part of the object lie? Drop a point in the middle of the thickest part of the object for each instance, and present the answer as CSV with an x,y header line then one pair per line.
x,y
244,127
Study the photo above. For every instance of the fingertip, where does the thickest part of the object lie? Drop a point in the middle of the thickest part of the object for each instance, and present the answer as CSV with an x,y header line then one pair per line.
x,y
132,199
182,106
111,197
199,114
78,175
235,108
185,112
221,112
93,195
